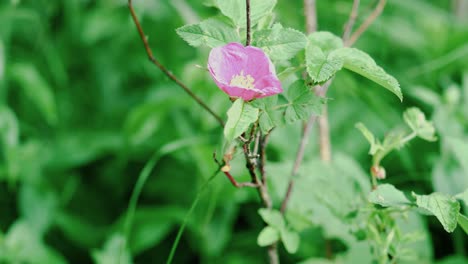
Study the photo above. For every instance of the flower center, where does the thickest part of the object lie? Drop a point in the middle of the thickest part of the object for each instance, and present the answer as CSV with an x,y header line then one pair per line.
x,y
244,81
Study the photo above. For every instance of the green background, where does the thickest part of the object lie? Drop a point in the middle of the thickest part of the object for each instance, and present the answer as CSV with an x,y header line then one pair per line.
x,y
82,110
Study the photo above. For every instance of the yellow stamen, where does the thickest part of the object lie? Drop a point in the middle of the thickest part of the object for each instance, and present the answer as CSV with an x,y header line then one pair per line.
x,y
240,80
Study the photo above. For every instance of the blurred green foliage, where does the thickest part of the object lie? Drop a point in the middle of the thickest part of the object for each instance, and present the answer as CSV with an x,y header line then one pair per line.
x,y
82,111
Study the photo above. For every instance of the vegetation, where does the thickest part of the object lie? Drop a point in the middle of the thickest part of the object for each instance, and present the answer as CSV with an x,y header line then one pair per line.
x,y
105,157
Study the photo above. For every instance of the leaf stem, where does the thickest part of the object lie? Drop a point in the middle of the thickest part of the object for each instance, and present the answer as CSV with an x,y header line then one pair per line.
x,y
168,73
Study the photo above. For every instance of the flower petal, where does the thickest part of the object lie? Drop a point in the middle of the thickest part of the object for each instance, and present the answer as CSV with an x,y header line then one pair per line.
x,y
270,85
258,64
227,61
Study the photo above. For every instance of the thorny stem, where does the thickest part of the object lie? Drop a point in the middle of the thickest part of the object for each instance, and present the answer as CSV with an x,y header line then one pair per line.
x,y
225,169
251,158
247,11
363,27
168,73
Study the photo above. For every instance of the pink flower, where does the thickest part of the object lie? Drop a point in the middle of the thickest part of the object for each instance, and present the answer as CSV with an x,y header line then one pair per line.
x,y
244,72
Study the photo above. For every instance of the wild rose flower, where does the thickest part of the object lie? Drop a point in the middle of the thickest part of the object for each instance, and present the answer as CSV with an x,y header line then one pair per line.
x,y
244,72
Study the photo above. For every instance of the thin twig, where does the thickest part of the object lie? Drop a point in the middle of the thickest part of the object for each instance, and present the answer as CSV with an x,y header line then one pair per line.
x,y
311,26
351,21
247,12
298,161
320,91
225,169
169,74
369,20
263,144
310,13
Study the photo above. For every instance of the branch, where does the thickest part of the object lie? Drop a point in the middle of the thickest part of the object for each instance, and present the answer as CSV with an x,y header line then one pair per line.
x,y
370,19
169,74
247,12
298,161
351,21
310,13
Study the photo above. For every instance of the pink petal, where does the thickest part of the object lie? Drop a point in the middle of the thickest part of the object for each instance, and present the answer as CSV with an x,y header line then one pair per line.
x,y
233,59
258,64
270,85
227,61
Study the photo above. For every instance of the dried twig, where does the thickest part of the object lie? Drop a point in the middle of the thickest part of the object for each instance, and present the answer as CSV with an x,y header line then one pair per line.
x,y
363,27
169,74
310,13
351,21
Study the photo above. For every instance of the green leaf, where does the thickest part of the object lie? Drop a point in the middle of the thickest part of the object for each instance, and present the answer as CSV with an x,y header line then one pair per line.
x,y
115,251
374,144
240,116
322,60
387,195
280,43
272,217
143,122
268,236
9,132
212,32
302,102
236,10
290,240
463,222
361,63
27,246
416,120
321,66
459,147
2,60
326,41
36,88
463,196
444,207
268,117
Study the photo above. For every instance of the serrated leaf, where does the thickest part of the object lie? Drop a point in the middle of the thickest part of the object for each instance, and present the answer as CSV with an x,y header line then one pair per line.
x,y
236,10
320,65
444,207
290,240
374,144
240,116
463,222
280,43
302,102
267,121
212,32
268,236
393,140
272,217
361,63
416,120
326,41
36,88
387,195
268,116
